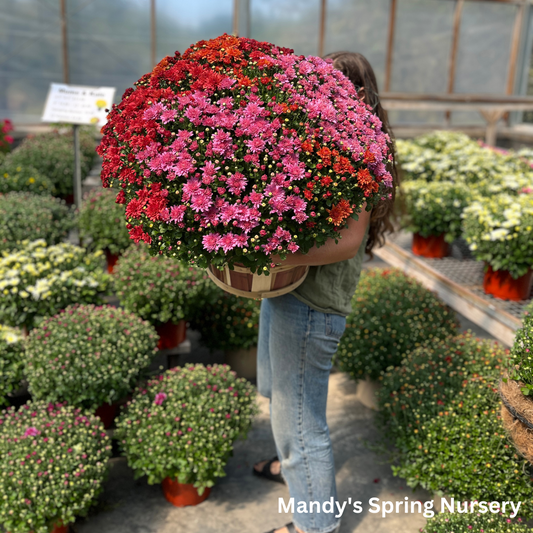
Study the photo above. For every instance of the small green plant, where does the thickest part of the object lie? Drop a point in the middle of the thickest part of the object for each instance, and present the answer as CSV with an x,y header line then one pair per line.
x,y
392,314
183,424
435,208
26,215
16,178
521,359
39,280
52,155
11,361
102,224
498,231
442,410
232,322
89,355
53,463
160,289
473,523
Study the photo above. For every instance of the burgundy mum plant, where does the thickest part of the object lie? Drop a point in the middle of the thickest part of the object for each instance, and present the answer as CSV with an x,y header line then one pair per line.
x,y
239,150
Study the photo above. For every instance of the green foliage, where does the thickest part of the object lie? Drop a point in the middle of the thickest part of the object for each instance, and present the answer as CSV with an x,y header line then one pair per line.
x,y
473,523
89,355
102,223
11,360
392,314
184,423
26,216
434,208
39,280
499,231
17,178
442,410
232,322
52,155
160,289
53,463
521,359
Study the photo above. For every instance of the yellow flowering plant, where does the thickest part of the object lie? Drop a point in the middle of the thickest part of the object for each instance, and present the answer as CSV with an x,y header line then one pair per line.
x,y
11,360
17,178
499,231
39,280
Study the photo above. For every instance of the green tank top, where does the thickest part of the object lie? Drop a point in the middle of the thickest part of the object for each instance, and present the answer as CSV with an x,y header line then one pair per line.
x,y
330,288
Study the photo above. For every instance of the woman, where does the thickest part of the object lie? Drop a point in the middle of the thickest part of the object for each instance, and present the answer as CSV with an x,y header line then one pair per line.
x,y
298,336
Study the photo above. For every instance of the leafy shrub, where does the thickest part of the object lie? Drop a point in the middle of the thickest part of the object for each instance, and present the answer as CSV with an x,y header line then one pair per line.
x,y
442,410
473,523
160,289
11,360
435,208
521,359
52,155
88,355
392,314
184,423
102,223
53,462
231,323
38,281
498,231
16,178
28,216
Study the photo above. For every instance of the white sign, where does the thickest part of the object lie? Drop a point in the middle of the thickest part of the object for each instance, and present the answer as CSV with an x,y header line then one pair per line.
x,y
76,104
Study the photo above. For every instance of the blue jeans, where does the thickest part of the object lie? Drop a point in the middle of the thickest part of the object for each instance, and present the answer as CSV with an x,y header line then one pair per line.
x,y
296,346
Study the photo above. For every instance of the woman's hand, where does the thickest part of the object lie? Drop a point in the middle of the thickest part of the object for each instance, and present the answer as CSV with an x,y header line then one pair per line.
x,y
347,247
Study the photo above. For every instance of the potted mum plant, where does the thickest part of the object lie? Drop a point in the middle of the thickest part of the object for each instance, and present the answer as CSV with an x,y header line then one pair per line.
x,y
162,291
53,462
39,280
433,213
179,429
90,357
230,154
26,214
17,178
11,361
516,390
498,231
101,225
392,314
232,325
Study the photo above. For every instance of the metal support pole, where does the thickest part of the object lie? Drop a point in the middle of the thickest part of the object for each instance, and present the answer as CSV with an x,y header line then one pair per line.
x,y
322,28
77,166
153,34
390,45
64,40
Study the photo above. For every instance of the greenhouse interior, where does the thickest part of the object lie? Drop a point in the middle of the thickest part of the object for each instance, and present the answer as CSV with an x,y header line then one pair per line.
x,y
312,308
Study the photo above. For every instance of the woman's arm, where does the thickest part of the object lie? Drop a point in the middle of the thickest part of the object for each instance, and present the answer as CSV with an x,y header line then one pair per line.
x,y
347,247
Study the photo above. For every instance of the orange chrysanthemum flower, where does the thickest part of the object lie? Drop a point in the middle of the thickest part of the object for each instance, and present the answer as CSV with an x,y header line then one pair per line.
x,y
340,212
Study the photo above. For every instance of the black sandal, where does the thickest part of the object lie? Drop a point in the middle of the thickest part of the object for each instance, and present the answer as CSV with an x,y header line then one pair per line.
x,y
290,527
266,473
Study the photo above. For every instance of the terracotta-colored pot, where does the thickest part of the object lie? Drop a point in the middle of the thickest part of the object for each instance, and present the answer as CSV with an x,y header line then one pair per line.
x,y
69,198
434,246
107,414
182,494
111,260
500,284
171,335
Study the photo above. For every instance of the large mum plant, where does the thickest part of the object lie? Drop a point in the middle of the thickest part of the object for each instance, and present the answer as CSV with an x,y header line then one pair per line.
x,y
89,355
238,150
11,361
183,424
53,463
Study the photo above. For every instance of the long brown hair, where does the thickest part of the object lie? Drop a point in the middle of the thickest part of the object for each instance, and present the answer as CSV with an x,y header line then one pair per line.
x,y
358,70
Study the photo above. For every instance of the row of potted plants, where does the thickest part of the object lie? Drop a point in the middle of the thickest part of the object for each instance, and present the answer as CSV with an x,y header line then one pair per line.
x,y
454,187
